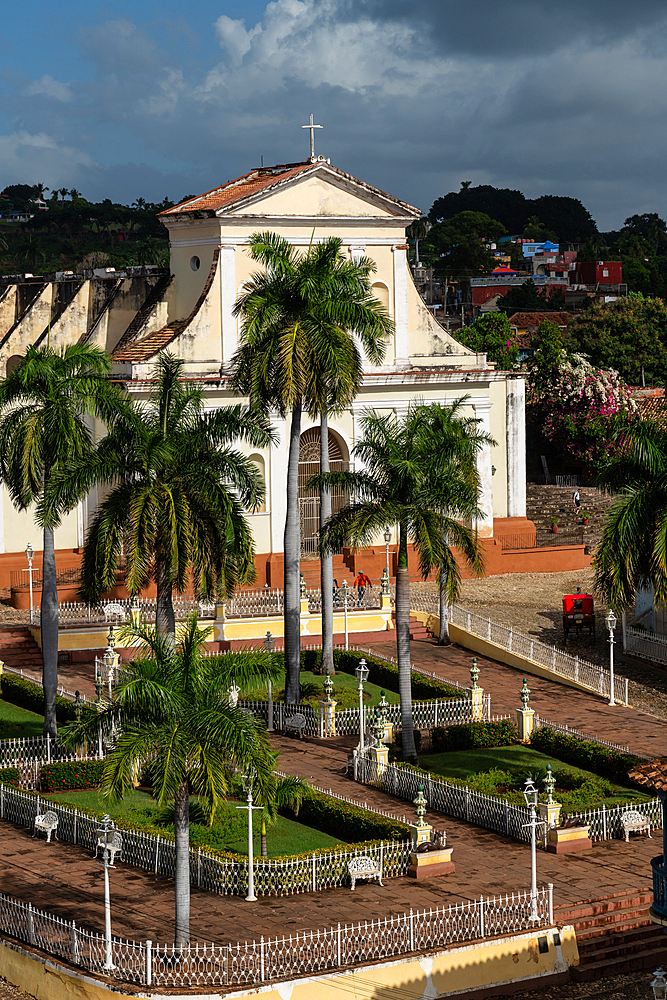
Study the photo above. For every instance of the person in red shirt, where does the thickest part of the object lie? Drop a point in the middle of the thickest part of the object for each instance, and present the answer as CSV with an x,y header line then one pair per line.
x,y
361,581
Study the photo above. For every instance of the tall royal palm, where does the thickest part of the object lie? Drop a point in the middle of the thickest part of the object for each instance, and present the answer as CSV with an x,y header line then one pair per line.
x,y
403,484
46,406
633,551
457,441
177,492
298,353
173,712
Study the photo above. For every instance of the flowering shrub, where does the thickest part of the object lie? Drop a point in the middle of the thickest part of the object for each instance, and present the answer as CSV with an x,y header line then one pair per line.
x,y
573,408
10,776
71,774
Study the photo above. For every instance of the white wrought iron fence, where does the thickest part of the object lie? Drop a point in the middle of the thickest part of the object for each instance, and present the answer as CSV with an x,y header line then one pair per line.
x,y
302,953
225,876
589,675
649,645
461,801
605,821
78,613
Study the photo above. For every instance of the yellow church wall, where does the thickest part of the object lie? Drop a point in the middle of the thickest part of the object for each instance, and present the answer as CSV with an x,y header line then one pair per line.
x,y
200,239
19,528
317,196
427,338
34,322
7,309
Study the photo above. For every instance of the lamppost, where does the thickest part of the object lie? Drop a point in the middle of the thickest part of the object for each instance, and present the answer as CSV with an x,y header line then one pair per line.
x,y
246,780
105,836
387,539
611,625
29,553
269,646
361,673
530,794
110,661
345,590
659,984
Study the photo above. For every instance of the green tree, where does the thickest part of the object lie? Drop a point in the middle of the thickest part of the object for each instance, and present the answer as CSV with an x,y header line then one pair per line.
x,y
493,335
417,231
629,335
650,228
171,708
548,351
460,243
44,406
536,230
633,551
274,795
297,352
177,491
526,297
405,483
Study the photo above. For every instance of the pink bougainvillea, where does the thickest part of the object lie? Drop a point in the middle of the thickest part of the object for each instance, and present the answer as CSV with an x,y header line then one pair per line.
x,y
574,409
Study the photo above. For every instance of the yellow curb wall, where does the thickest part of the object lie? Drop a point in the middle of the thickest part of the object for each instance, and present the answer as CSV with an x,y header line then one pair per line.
x,y
477,644
512,958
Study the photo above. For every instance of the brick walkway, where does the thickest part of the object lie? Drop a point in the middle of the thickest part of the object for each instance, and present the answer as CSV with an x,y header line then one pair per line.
x,y
550,699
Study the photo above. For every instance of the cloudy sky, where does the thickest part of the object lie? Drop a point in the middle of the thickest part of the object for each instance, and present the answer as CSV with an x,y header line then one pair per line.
x,y
143,99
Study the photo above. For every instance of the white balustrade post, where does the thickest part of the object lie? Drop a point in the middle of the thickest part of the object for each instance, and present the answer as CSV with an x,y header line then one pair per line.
x,y
74,945
481,916
339,955
550,893
149,962
48,748
261,960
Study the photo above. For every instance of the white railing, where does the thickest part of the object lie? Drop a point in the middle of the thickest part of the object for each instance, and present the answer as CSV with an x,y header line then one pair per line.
x,y
605,821
226,876
37,679
302,953
78,613
460,801
589,675
255,603
649,645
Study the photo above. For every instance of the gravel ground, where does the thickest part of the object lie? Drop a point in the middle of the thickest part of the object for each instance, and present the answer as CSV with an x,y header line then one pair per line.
x,y
8,992
532,603
632,986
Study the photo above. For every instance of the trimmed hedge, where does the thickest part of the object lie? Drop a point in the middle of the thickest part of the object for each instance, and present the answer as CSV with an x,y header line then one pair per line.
x,y
341,819
380,672
585,754
26,694
69,775
10,776
473,734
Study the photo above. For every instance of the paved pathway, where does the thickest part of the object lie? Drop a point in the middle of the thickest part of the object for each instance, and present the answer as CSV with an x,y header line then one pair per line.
x,y
554,701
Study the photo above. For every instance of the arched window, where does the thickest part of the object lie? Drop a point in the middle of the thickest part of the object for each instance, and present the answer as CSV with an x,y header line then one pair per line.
x,y
309,500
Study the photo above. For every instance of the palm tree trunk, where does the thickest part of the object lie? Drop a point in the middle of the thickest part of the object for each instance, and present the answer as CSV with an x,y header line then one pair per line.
x,y
49,624
264,847
182,873
403,646
443,636
326,564
165,620
292,557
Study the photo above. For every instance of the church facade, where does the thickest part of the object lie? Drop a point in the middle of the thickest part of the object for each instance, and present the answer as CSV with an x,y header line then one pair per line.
x,y
189,311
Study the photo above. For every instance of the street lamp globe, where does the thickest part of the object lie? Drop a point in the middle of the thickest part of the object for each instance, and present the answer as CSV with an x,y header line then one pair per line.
x,y
530,793
361,672
29,552
611,620
387,536
659,984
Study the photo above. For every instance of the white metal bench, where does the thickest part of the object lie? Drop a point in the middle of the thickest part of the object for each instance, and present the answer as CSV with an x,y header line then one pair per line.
x,y
46,823
364,867
114,611
115,846
296,724
633,821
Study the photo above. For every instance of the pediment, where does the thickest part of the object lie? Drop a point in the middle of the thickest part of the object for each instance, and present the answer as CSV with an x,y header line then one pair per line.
x,y
321,192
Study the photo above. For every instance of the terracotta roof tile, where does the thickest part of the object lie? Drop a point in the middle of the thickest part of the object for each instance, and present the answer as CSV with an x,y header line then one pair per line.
x,y
531,320
652,775
242,187
653,407
148,347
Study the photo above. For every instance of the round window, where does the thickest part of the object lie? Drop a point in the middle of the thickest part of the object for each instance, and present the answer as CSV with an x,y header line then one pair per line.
x,y
195,263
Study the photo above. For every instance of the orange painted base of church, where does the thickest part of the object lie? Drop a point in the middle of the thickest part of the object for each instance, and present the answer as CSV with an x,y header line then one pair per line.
x,y
371,560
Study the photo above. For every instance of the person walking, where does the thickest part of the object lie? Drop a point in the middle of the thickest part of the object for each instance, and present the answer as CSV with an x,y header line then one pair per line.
x,y
361,581
576,501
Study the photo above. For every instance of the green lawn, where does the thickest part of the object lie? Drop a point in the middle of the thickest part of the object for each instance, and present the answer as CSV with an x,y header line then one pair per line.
x,y
228,832
502,771
15,721
345,692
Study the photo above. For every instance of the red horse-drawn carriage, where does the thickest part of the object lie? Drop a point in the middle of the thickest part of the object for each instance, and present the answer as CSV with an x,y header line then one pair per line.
x,y
578,614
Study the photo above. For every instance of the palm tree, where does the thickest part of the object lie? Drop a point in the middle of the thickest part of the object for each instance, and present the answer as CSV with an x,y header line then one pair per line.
x,y
44,404
633,551
297,353
402,483
276,794
172,710
177,494
457,440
